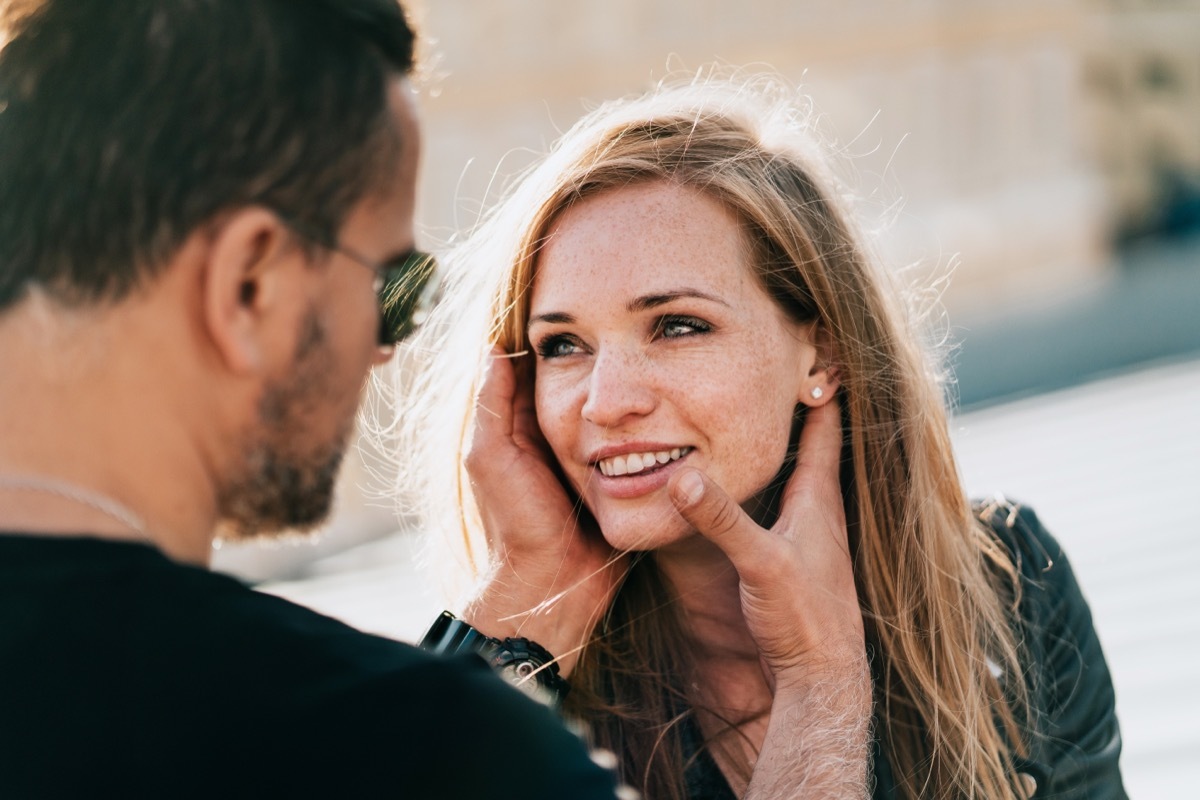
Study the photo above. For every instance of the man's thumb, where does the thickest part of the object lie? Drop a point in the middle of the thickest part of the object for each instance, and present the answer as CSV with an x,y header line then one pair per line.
x,y
711,512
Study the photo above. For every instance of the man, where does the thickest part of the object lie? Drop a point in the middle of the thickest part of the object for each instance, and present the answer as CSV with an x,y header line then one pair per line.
x,y
195,201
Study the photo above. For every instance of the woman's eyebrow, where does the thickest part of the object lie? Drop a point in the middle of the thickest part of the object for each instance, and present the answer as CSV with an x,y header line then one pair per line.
x,y
642,303
553,317
662,298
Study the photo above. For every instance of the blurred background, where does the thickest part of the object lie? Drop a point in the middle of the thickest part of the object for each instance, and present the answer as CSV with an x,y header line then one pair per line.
x,y
1036,161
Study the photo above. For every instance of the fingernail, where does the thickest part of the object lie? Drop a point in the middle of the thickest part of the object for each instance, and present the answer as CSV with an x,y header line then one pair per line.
x,y
689,488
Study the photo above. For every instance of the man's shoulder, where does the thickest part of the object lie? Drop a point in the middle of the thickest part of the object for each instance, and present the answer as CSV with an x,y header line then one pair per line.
x,y
180,660
137,612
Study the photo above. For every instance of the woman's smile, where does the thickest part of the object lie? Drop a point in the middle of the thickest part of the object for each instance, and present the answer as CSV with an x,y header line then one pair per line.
x,y
635,474
634,463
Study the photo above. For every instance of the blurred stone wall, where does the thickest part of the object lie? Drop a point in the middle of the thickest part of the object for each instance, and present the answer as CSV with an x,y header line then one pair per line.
x,y
967,115
1143,91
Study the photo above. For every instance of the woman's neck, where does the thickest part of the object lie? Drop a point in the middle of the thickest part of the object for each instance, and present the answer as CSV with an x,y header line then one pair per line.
x,y
706,586
728,690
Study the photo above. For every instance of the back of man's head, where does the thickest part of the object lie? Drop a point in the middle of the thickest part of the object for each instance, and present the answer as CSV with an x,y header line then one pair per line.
x,y
127,124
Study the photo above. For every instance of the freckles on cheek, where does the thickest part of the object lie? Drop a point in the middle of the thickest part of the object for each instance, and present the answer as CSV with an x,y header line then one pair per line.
x,y
757,419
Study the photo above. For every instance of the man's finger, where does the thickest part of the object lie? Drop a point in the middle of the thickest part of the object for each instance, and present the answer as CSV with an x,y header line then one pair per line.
x,y
524,405
715,515
494,405
820,448
818,460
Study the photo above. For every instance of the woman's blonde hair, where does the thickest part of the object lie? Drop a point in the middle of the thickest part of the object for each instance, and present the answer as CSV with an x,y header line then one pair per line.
x,y
938,593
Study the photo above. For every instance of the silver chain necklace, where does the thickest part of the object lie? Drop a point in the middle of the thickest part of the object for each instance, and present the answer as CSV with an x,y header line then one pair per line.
x,y
87,497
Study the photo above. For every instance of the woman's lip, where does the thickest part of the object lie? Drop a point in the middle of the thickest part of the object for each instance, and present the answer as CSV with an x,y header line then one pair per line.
x,y
625,487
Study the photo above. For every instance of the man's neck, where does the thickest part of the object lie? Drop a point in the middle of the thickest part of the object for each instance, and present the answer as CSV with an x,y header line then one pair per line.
x,y
35,506
41,505
79,412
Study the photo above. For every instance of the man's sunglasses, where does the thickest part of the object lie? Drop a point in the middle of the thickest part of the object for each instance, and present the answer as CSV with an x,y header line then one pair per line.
x,y
404,285
407,291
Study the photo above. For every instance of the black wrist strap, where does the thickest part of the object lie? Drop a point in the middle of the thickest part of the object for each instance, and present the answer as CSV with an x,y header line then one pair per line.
x,y
449,635
522,662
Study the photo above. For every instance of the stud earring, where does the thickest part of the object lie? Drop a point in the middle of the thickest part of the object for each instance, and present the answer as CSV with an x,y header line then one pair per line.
x,y
817,393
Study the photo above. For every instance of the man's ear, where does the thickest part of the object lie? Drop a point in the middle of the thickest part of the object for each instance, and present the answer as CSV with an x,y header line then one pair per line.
x,y
822,381
243,290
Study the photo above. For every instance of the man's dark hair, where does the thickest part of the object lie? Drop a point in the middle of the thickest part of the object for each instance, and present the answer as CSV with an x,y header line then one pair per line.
x,y
126,124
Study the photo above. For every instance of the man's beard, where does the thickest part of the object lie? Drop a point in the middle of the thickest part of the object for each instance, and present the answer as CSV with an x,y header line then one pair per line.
x,y
285,482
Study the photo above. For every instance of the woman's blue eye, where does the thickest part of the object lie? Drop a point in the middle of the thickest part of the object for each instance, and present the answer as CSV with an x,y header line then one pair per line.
x,y
674,327
556,347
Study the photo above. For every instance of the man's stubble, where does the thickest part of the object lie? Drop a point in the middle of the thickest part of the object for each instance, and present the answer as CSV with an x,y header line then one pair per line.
x,y
286,481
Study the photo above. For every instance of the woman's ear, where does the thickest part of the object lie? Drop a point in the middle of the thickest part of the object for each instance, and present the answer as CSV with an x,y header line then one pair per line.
x,y
241,286
822,381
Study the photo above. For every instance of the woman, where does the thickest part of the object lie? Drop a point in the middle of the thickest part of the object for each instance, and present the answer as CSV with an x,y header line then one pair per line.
x,y
681,310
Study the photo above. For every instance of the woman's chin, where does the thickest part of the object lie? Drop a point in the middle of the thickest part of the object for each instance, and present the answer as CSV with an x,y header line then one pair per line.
x,y
636,533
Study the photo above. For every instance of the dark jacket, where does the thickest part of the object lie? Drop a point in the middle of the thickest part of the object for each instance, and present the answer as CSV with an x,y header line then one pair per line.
x,y
1076,743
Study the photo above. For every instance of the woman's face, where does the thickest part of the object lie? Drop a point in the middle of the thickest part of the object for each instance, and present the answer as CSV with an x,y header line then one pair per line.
x,y
656,347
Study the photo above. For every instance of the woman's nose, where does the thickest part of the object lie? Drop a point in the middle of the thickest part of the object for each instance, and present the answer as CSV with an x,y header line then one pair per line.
x,y
619,386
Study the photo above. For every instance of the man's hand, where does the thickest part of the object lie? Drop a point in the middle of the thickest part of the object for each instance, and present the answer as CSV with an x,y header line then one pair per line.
x,y
554,576
799,600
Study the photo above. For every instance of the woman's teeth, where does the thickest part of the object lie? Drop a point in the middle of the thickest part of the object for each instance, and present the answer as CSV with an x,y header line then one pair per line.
x,y
636,462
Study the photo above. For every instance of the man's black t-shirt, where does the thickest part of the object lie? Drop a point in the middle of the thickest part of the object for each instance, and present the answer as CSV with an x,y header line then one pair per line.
x,y
124,674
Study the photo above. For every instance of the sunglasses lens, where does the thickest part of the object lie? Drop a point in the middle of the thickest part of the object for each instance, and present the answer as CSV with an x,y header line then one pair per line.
x,y
405,296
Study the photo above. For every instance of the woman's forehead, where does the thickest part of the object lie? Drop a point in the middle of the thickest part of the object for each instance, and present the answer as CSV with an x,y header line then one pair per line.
x,y
641,232
652,217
